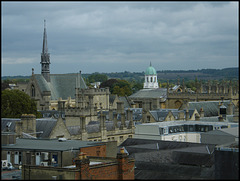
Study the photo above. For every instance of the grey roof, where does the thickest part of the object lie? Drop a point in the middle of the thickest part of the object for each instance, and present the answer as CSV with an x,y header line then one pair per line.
x,y
210,108
112,97
204,149
94,127
44,124
160,114
49,144
162,144
153,146
10,122
234,131
125,102
60,85
150,93
191,122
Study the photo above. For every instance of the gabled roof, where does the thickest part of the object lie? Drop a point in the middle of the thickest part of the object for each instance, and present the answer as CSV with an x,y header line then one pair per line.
x,y
125,101
60,85
161,114
210,108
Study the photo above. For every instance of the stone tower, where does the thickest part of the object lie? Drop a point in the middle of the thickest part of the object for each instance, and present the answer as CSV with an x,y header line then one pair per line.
x,y
151,81
45,57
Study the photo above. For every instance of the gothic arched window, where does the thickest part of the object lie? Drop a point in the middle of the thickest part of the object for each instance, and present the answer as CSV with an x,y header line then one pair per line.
x,y
33,91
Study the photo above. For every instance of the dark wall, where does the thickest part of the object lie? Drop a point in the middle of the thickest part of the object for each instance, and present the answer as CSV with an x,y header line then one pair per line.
x,y
226,164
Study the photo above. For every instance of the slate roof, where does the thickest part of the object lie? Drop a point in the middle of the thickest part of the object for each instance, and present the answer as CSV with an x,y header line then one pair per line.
x,y
150,93
125,102
94,127
8,121
60,85
49,144
210,107
161,114
112,97
45,124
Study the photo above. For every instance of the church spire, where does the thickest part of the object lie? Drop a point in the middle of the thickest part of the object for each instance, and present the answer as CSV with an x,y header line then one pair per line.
x,y
45,49
45,57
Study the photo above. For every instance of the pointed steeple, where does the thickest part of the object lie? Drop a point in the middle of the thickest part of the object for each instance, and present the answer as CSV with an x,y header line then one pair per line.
x,y
44,49
45,57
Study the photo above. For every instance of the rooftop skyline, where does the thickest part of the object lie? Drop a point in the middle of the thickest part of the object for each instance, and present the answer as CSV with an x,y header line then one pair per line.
x,y
119,36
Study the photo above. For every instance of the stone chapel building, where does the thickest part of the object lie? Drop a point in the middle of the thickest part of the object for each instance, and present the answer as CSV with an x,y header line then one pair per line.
x,y
47,89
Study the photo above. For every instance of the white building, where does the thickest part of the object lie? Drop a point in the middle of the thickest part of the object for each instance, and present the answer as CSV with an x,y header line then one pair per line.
x,y
186,131
151,81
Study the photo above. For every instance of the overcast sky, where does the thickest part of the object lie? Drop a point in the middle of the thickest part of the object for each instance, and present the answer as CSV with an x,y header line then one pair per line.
x,y
119,36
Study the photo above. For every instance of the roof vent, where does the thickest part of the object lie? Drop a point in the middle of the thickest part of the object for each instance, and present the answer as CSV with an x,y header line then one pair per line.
x,y
62,139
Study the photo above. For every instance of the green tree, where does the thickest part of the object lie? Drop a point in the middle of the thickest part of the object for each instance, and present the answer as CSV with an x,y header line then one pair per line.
x,y
14,103
109,83
97,77
123,88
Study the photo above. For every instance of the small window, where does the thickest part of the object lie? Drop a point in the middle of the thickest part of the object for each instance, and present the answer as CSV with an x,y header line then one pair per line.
x,y
33,90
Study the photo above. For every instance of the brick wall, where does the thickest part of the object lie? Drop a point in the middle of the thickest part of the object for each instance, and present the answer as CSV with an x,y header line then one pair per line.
x,y
120,168
104,172
95,150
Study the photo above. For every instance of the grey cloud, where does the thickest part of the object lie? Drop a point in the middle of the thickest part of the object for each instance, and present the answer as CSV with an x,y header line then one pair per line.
x,y
121,33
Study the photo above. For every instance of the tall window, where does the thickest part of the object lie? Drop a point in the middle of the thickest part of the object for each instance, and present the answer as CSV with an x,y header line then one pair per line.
x,y
16,158
9,156
38,158
151,79
33,91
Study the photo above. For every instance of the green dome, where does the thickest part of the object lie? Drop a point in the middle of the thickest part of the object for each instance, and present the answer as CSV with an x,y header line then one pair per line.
x,y
150,71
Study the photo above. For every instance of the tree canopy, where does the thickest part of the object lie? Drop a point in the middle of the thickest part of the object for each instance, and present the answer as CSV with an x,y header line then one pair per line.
x,y
14,103
97,77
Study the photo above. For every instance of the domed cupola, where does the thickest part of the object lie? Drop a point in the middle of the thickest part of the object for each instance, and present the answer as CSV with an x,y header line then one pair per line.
x,y
150,70
150,78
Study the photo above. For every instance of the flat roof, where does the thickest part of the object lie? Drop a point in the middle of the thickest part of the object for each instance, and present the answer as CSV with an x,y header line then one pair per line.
x,y
49,144
184,122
